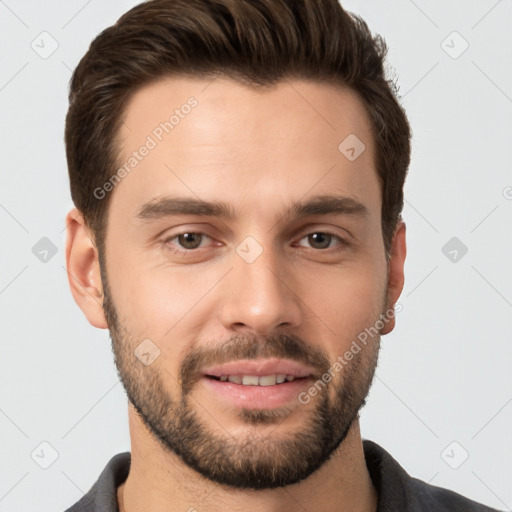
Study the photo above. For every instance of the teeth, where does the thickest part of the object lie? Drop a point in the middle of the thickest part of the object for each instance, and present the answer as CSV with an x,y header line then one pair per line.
x,y
254,380
250,380
267,380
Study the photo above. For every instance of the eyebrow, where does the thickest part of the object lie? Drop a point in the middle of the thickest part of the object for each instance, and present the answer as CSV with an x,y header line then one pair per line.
x,y
318,205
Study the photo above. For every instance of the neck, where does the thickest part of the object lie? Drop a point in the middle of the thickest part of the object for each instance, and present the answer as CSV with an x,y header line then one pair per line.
x,y
160,481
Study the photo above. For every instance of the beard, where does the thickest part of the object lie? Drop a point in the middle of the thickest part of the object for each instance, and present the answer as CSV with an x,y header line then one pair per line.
x,y
255,460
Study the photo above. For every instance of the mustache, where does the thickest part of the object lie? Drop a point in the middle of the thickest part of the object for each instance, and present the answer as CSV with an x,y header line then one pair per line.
x,y
244,346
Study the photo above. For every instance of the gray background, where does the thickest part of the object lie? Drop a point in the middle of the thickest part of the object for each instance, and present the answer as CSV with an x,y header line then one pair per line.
x,y
443,389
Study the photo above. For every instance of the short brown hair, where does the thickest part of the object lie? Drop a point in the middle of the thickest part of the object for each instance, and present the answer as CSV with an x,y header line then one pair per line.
x,y
256,42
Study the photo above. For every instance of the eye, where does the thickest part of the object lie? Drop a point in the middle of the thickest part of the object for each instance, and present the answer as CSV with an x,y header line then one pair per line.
x,y
188,241
322,240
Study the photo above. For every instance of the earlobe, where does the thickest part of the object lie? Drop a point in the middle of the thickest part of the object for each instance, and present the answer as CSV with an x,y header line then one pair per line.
x,y
396,263
83,269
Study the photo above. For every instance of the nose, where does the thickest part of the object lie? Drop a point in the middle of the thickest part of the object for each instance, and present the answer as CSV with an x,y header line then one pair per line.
x,y
260,296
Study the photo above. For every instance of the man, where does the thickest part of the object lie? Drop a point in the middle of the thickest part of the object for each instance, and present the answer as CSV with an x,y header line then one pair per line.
x,y
237,169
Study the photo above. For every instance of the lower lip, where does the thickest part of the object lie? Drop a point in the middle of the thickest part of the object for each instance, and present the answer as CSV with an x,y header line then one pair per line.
x,y
257,397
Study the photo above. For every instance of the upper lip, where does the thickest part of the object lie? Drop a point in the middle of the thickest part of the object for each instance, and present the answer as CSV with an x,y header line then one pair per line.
x,y
260,367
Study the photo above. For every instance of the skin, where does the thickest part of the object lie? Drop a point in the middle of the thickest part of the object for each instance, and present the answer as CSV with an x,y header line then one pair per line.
x,y
258,151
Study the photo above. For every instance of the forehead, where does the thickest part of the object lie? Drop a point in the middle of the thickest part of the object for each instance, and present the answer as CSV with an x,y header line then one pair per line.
x,y
254,148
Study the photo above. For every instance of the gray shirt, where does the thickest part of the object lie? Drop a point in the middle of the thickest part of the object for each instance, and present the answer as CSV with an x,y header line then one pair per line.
x,y
398,492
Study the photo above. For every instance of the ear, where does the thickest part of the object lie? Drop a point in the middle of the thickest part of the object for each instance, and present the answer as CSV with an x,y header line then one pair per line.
x,y
83,269
396,262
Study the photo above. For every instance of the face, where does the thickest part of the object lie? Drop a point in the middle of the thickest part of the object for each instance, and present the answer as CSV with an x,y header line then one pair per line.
x,y
244,257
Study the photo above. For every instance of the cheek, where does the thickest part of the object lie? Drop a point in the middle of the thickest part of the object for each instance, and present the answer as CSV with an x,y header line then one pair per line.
x,y
164,304
347,302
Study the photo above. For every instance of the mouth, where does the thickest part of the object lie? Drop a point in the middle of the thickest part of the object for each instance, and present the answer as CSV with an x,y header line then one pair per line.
x,y
257,384
272,370
256,380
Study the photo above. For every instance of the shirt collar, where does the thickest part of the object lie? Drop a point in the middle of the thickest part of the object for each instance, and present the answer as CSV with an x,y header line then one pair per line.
x,y
392,482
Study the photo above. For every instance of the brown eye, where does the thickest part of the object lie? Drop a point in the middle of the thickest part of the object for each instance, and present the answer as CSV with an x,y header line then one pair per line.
x,y
190,240
184,242
322,240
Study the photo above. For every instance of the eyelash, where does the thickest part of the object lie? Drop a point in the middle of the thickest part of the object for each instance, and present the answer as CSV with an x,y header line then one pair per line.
x,y
167,241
